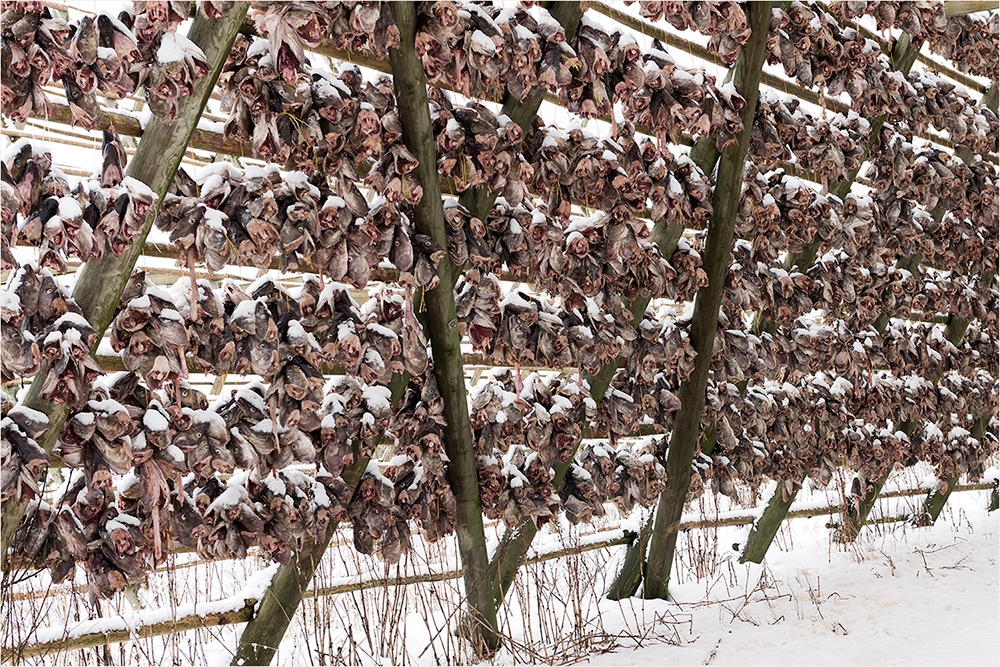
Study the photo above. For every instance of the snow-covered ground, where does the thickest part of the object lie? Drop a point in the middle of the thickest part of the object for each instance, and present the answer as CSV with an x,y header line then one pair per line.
x,y
898,596
901,597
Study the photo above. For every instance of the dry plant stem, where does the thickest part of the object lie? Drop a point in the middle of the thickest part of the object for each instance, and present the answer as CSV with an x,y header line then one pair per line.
x,y
263,634
155,162
410,86
192,622
766,527
717,255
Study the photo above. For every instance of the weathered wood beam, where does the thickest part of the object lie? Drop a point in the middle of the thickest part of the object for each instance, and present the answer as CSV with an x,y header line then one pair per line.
x,y
155,163
413,106
191,622
716,260
959,8
955,331
268,625
112,364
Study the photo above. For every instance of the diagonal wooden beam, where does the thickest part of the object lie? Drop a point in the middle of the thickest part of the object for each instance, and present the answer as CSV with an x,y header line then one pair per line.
x,y
267,626
904,54
717,258
410,85
955,329
155,163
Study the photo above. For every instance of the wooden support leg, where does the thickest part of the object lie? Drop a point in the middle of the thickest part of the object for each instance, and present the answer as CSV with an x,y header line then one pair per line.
x,y
766,527
937,498
856,517
935,502
630,575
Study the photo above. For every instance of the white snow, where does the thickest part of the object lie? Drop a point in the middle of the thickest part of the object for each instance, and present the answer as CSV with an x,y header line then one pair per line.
x,y
139,302
174,47
484,43
377,398
153,420
138,187
69,208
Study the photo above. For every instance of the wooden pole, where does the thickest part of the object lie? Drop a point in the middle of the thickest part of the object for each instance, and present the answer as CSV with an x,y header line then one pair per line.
x,y
155,162
514,544
264,632
441,327
955,330
717,257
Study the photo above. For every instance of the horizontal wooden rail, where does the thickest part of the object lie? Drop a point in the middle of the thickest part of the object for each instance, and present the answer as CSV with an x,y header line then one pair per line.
x,y
770,80
191,622
957,8
67,139
616,538
113,364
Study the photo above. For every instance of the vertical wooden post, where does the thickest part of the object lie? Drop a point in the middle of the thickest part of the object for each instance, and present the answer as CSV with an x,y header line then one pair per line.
x,y
717,255
479,200
264,631
442,329
955,330
766,526
936,499
630,574
155,162
705,154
